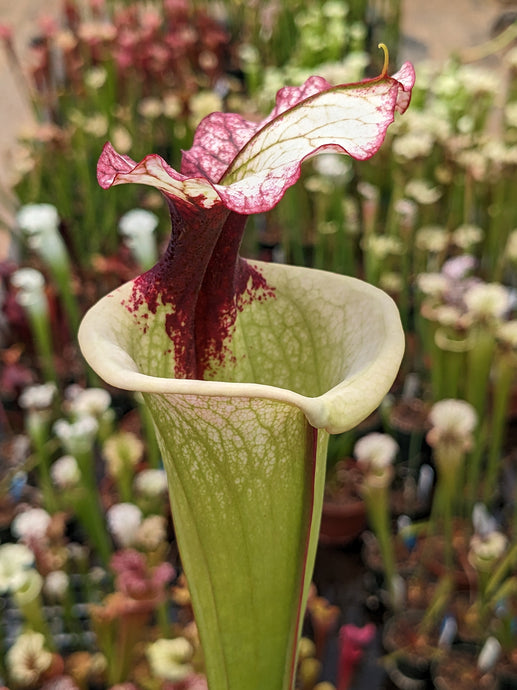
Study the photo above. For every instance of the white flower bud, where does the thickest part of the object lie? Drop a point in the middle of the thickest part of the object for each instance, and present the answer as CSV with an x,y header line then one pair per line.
x,y
38,397
35,219
507,333
90,402
151,533
65,472
137,223
40,222
486,300
122,451
169,659
485,550
433,239
432,284
151,483
27,659
465,236
77,437
14,559
124,519
30,284
453,416
423,192
489,655
137,228
376,451
56,585
95,77
31,524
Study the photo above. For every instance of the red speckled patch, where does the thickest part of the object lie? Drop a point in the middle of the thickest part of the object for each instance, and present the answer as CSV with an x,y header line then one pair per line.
x,y
203,282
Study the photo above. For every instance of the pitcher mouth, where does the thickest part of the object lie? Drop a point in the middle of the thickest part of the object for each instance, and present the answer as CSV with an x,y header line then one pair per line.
x,y
364,370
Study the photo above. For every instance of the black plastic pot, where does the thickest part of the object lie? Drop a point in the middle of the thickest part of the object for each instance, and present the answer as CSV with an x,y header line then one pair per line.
x,y
408,666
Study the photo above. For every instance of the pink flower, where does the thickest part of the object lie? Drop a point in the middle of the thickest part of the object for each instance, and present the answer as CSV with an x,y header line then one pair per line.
x,y
352,641
60,683
48,26
150,21
6,32
136,579
193,682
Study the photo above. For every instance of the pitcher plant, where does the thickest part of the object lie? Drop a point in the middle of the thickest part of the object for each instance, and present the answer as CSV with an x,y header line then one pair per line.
x,y
246,367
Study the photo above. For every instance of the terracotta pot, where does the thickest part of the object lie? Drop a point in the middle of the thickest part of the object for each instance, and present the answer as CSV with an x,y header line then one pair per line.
x,y
341,523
